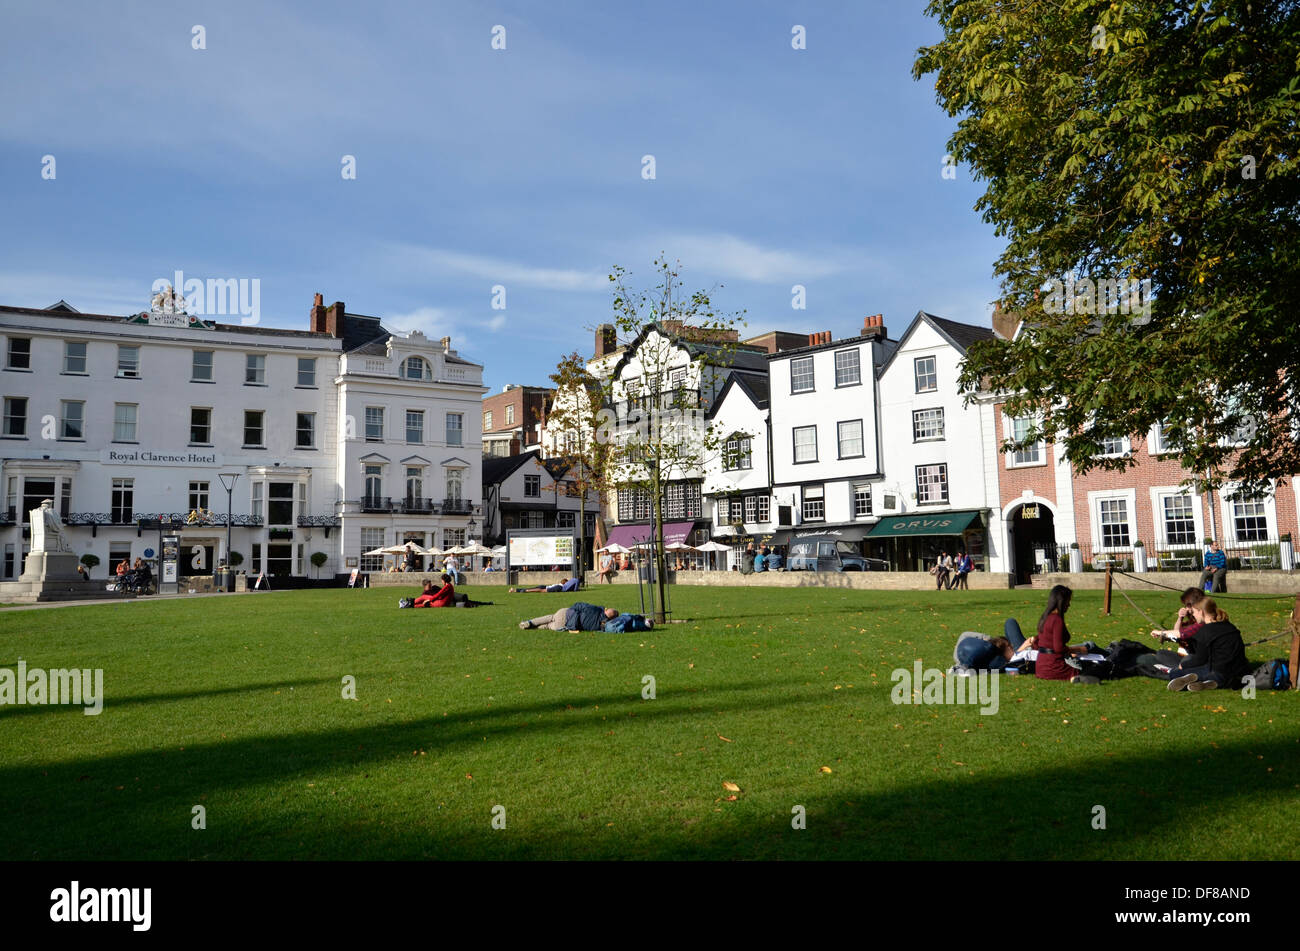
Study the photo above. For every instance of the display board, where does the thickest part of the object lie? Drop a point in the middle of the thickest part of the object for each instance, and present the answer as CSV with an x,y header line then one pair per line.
x,y
540,549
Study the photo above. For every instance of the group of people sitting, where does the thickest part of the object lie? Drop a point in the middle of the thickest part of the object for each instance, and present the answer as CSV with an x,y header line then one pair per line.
x,y
137,577
1209,653
764,559
950,572
581,616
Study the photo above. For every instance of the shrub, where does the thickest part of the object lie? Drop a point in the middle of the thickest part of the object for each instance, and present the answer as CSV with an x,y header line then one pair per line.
x,y
235,559
90,561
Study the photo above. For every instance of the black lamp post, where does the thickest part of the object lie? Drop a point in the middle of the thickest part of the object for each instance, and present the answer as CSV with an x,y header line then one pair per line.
x,y
228,479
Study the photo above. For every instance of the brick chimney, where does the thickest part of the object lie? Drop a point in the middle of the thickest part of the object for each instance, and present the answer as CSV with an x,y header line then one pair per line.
x,y
334,318
874,326
317,315
819,338
606,339
514,446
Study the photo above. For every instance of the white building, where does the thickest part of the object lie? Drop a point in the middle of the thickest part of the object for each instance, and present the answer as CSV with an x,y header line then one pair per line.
x,y
941,460
671,375
827,457
738,484
343,437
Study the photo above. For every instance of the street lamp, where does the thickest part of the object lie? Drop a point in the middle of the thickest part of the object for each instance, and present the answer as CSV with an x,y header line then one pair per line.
x,y
469,536
228,479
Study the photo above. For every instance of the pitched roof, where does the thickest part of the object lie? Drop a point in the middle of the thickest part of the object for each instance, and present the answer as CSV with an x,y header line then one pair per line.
x,y
961,335
754,385
958,335
496,469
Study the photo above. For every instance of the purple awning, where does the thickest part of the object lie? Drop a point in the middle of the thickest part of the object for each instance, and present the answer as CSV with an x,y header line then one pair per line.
x,y
631,535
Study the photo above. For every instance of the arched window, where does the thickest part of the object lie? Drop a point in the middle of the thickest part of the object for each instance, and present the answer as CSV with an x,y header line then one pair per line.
x,y
416,368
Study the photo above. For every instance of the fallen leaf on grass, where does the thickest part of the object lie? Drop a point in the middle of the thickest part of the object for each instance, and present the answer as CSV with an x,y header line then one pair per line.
x,y
825,769
731,787
730,798
723,738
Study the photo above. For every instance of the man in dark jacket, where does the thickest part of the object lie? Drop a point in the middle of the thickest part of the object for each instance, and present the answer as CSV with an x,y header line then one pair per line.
x,y
579,616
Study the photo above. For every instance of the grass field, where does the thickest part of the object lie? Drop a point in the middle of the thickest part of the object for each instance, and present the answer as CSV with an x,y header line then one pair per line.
x,y
236,704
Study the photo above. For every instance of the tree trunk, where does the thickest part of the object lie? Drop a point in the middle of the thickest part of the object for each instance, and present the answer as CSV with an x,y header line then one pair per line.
x,y
661,560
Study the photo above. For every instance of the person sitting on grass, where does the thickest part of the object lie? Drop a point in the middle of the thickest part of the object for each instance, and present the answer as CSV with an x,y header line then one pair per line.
x,y
1052,641
1160,663
444,597
579,616
1218,656
568,584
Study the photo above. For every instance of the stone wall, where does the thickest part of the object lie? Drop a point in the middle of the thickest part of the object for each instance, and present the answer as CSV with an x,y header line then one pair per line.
x,y
1239,582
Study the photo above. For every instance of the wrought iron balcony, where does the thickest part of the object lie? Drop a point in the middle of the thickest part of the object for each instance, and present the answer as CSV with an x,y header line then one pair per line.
x,y
318,521
376,503
412,505
457,507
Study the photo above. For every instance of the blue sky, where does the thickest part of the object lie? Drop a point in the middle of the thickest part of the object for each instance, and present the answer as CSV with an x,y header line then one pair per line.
x,y
477,167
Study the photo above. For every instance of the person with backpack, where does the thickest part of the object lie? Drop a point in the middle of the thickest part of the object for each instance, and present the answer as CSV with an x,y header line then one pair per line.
x,y
579,616
1218,656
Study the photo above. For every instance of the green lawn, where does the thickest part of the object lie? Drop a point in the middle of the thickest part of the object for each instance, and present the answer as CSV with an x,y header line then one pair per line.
x,y
236,704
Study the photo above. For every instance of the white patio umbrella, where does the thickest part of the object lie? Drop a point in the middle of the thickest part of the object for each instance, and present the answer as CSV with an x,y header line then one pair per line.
x,y
713,547
680,546
475,548
614,548
434,551
377,551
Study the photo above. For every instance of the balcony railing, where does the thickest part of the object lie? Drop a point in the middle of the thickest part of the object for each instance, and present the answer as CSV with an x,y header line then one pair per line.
x,y
413,506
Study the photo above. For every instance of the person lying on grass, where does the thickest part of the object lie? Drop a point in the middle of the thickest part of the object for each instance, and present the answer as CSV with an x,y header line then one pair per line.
x,y
441,598
568,584
581,616
1217,657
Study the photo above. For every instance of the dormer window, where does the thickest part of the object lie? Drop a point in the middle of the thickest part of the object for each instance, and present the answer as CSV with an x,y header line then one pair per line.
x,y
417,368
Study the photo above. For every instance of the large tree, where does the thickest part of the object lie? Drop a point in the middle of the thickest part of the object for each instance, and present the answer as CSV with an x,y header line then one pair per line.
x,y
1150,141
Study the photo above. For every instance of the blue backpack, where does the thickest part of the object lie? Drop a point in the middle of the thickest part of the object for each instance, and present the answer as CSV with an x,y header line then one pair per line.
x,y
625,623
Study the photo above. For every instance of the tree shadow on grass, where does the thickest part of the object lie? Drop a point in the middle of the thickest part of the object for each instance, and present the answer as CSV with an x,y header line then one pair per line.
x,y
117,703
84,792
1166,806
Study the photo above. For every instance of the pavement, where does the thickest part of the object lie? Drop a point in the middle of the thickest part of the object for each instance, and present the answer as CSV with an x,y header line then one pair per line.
x,y
143,599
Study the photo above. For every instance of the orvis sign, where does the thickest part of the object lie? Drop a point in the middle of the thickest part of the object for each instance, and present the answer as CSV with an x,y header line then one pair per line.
x,y
151,457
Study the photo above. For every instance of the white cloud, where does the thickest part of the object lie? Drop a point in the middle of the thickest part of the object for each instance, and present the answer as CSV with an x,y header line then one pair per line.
x,y
729,256
419,259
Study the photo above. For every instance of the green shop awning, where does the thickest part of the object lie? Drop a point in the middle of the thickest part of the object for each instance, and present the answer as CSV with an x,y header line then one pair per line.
x,y
927,523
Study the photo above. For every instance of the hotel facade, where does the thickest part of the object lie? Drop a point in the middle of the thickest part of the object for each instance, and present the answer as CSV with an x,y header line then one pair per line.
x,y
336,439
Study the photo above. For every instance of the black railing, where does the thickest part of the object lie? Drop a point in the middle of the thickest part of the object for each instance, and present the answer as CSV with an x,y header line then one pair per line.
x,y
457,506
376,503
412,505
318,521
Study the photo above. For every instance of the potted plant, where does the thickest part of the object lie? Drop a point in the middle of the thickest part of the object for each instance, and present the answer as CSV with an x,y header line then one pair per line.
x,y
90,561
318,559
1139,556
1076,558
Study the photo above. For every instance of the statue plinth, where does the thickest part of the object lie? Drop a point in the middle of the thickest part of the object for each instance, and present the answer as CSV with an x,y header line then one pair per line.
x,y
50,566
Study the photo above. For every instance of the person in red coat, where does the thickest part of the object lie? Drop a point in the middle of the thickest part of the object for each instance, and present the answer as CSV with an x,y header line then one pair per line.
x,y
1053,639
444,597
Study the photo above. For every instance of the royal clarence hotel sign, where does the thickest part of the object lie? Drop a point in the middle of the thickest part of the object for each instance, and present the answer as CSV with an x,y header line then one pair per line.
x,y
150,457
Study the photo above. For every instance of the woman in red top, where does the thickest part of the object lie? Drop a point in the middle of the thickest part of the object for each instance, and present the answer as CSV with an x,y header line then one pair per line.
x,y
1053,639
444,597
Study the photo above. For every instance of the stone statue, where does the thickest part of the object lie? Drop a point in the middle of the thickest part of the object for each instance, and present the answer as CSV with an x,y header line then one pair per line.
x,y
168,302
47,529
